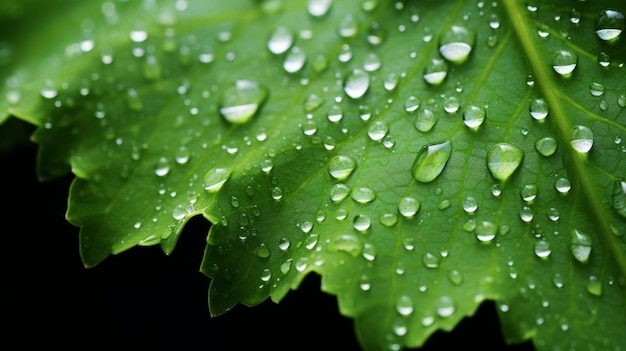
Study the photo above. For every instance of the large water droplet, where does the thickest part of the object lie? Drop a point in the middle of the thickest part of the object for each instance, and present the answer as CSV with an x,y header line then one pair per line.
x,y
610,25
341,166
564,62
242,100
580,245
539,109
473,116
619,197
356,84
503,159
280,41
581,139
546,146
435,72
431,161
456,44
319,8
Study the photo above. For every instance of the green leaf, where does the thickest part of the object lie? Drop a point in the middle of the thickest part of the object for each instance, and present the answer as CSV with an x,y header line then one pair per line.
x,y
422,157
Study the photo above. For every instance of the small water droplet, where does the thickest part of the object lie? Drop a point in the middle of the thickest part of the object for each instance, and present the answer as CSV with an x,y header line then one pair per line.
x,y
431,161
284,244
338,192
539,109
444,306
404,305
363,195
341,166
503,159
473,116
580,245
558,280
280,41
162,167
347,243
435,72
609,25
348,27
378,130
312,102
526,214
451,104
426,120
581,139
356,83
594,286
241,101
372,62
408,206
214,179
529,192
391,81
562,185
266,275
546,146
564,62
263,251
430,260
553,214
485,231
542,249
276,193
596,89
411,104
456,44
319,8
619,197
335,113
362,222
470,204
604,60
295,60
311,241
388,219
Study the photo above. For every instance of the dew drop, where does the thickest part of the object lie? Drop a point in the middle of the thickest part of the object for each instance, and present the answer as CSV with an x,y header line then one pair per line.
x,y
280,41
338,192
609,25
214,179
311,241
404,305
562,185
341,166
564,62
335,113
241,101
546,146
362,222
162,167
603,59
596,89
411,104
456,44
470,204
538,109
266,275
425,120
319,8
295,60
542,249
529,192
363,195
348,27
312,102
435,72
619,197
455,277
347,243
473,116
284,244
430,260
594,286
451,104
276,193
558,280
372,62
182,155
581,139
485,231
444,306
378,130
391,82
408,206
580,245
388,219
526,214
553,214
431,161
503,159
263,251
356,83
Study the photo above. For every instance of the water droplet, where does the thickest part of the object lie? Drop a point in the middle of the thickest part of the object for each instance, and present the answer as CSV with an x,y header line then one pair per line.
x,y
162,167
263,251
362,222
485,231
356,84
430,260
404,306
312,102
311,241
276,193
529,192
266,275
363,195
473,116
391,81
558,280
364,283
503,159
619,197
378,130
542,249
138,36
425,120
564,62
526,214
455,277
539,109
609,25
347,243
553,214
431,161
319,8
341,166
182,155
456,44
335,113
348,27
451,104
444,204
580,245
562,185
295,60
581,139
411,104
594,286
470,204
408,206
372,62
444,306
280,41
338,192
215,178
241,101
596,89
388,219
546,146
435,72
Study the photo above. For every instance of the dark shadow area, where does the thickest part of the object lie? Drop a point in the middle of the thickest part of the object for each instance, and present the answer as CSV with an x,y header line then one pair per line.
x,y
145,300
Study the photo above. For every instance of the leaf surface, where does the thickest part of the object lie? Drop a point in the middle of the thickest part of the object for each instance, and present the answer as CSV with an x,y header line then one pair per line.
x,y
422,157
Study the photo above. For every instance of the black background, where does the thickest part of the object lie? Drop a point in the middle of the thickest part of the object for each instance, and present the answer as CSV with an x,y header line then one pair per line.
x,y
146,300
